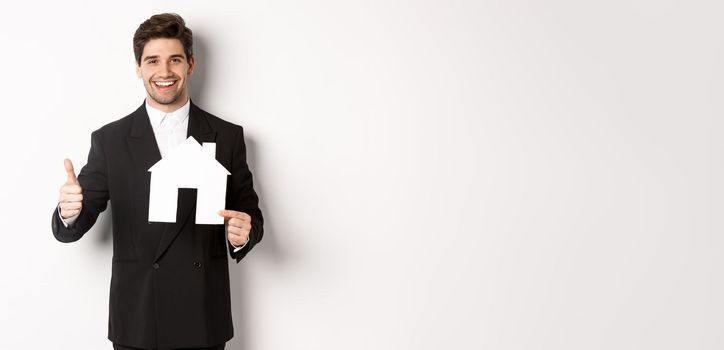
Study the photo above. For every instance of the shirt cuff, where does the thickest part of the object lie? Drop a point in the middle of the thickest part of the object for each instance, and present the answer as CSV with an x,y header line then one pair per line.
x,y
69,221
236,249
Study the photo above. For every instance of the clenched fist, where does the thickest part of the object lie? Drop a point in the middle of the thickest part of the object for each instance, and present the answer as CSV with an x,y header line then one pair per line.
x,y
71,195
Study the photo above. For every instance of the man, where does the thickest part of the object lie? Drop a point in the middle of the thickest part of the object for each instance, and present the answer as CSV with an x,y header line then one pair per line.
x,y
170,281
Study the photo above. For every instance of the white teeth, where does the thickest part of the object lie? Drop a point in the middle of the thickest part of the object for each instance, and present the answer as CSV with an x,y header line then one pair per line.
x,y
163,83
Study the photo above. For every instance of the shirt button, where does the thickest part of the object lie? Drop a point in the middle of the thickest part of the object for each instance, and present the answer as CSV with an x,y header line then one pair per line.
x,y
156,266
197,264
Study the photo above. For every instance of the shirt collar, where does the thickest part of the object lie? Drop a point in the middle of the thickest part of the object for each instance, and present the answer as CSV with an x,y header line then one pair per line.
x,y
156,116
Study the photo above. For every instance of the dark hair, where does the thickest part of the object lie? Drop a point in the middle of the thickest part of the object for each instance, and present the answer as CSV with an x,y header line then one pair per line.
x,y
165,25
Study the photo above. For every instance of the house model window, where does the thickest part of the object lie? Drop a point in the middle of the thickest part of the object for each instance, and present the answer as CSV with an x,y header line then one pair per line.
x,y
189,165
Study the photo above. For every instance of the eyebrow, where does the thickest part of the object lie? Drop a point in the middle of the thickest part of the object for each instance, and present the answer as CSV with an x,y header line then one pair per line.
x,y
178,55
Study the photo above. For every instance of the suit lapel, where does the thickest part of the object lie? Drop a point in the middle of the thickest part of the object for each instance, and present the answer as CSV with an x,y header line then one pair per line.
x,y
200,129
142,141
199,126
144,151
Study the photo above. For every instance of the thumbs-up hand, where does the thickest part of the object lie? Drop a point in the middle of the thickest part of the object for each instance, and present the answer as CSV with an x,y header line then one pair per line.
x,y
71,194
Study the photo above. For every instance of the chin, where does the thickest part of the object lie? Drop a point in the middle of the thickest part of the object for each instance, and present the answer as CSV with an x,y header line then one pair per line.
x,y
164,101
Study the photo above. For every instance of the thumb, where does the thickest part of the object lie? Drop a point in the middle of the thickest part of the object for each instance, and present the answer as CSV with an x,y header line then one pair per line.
x,y
71,172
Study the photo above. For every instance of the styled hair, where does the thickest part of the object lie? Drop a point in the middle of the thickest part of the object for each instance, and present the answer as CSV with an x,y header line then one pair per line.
x,y
164,25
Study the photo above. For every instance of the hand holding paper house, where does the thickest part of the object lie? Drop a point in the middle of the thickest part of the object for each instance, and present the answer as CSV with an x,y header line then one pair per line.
x,y
188,166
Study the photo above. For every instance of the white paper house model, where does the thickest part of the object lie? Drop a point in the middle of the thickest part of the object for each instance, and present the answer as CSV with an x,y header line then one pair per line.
x,y
188,166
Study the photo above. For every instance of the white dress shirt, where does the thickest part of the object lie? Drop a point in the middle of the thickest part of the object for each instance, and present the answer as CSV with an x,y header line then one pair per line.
x,y
170,130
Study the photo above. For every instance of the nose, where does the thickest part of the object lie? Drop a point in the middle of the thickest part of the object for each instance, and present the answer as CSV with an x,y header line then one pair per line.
x,y
164,70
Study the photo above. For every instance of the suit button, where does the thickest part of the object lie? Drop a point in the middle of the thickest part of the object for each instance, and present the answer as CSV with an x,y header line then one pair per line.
x,y
197,264
156,266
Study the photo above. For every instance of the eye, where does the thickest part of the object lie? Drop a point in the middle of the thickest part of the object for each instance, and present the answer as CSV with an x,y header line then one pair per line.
x,y
176,60
153,61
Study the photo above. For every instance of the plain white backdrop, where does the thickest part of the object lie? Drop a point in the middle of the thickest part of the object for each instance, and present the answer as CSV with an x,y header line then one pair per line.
x,y
434,174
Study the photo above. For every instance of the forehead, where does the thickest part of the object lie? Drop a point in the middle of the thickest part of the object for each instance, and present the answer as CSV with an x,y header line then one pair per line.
x,y
163,47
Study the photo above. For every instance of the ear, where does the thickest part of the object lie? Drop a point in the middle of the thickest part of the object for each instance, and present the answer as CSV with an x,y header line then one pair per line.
x,y
138,69
192,63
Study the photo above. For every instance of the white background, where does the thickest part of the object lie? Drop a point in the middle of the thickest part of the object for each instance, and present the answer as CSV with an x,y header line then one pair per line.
x,y
434,174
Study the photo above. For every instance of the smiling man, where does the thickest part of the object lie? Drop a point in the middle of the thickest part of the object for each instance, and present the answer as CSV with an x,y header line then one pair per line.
x,y
170,281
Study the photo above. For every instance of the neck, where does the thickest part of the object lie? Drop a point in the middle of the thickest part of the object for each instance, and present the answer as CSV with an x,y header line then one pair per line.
x,y
168,108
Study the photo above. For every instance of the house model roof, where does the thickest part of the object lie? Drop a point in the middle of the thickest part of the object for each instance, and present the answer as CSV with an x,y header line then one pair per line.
x,y
189,156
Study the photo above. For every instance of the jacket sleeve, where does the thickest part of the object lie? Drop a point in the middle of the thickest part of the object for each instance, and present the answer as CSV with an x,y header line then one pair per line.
x,y
241,196
94,184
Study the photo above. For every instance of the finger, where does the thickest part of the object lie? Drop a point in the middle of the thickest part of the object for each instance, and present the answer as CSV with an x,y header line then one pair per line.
x,y
235,222
71,206
68,197
68,213
70,172
239,231
237,241
235,214
71,189
232,237
240,224
230,213
243,216
233,231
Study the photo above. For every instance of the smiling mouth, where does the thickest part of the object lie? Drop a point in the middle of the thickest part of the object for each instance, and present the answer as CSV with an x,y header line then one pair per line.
x,y
164,84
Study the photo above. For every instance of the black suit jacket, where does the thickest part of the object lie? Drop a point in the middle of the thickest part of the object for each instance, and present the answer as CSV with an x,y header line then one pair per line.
x,y
170,281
